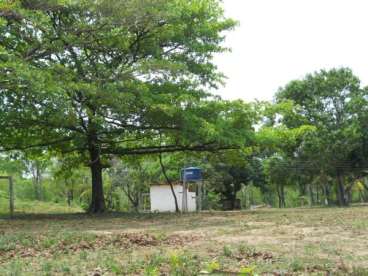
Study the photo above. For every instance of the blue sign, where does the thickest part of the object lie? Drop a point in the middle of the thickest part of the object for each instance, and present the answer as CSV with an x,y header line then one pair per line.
x,y
191,174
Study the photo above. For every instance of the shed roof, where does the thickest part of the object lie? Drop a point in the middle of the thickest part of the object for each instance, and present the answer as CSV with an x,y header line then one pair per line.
x,y
176,183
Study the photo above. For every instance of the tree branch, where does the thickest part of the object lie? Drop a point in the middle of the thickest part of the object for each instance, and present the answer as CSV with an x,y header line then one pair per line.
x,y
209,147
38,145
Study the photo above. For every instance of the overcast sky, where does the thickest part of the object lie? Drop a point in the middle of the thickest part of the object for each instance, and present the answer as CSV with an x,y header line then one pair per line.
x,y
278,41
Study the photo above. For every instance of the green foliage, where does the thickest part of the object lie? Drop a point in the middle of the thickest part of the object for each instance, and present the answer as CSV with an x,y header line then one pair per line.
x,y
29,207
212,201
213,266
250,195
183,264
314,134
227,251
132,179
292,198
247,271
297,265
95,79
85,83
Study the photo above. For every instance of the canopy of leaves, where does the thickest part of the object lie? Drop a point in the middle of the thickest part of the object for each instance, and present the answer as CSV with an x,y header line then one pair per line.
x,y
331,102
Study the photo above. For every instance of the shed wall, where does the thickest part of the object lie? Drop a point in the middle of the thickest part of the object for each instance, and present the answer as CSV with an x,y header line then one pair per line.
x,y
162,199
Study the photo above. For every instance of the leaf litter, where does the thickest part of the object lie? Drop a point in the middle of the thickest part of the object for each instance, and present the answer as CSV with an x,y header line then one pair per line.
x,y
74,245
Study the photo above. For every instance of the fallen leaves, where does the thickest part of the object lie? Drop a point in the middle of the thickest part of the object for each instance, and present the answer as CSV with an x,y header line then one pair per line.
x,y
70,245
255,255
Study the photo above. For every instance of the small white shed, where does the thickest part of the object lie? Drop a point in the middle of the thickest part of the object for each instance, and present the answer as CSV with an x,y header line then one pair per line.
x,y
162,199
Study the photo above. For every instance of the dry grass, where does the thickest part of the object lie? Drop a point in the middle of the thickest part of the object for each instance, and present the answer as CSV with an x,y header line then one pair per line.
x,y
314,241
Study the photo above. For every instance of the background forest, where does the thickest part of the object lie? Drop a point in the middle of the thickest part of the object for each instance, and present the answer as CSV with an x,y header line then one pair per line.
x,y
99,100
308,147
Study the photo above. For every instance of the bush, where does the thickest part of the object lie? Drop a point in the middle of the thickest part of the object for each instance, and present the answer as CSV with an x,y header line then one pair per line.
x,y
211,201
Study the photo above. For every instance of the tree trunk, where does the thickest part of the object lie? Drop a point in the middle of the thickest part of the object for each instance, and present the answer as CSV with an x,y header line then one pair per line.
x,y
365,193
233,200
251,198
302,189
163,169
98,201
311,194
70,198
37,180
361,197
341,191
70,192
136,205
317,194
281,195
132,197
244,197
349,194
326,193
110,199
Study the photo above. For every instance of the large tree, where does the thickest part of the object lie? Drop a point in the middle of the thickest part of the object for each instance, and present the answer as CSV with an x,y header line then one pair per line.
x,y
331,101
103,78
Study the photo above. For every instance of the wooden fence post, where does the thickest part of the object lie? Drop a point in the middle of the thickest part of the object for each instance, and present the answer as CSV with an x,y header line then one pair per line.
x,y
11,194
11,197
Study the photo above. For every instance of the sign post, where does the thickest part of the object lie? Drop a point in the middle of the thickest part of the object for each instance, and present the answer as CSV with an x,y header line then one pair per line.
x,y
191,174
184,206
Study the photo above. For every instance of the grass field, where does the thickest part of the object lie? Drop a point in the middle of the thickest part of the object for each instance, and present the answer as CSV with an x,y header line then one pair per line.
x,y
27,207
318,241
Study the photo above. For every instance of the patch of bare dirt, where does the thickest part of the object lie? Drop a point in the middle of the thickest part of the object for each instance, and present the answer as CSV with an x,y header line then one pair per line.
x,y
273,234
260,224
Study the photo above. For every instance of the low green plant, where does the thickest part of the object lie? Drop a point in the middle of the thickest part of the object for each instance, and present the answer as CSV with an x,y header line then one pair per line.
x,y
213,266
296,265
227,251
174,261
359,271
151,271
47,267
211,201
114,266
65,269
48,242
15,267
183,264
247,271
245,249
83,255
